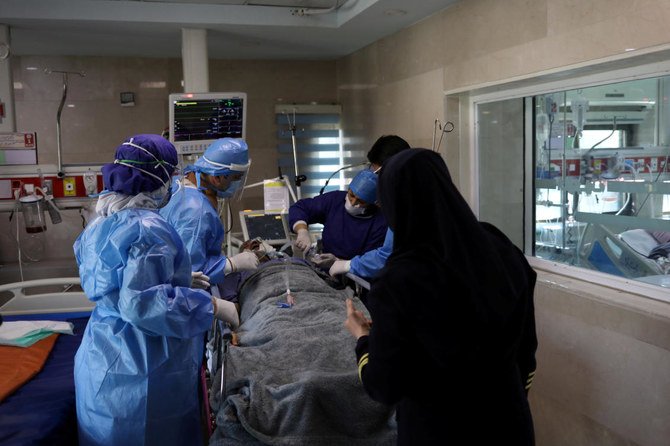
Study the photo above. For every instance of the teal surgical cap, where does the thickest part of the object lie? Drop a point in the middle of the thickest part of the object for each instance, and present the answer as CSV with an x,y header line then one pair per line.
x,y
223,157
364,185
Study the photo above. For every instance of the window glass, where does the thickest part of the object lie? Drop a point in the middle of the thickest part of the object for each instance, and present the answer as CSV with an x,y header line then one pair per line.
x,y
500,140
602,181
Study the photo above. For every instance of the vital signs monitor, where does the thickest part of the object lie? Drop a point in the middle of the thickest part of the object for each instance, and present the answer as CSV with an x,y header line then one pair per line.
x,y
273,228
197,119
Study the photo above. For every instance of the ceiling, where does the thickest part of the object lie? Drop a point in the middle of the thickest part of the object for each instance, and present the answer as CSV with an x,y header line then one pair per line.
x,y
236,29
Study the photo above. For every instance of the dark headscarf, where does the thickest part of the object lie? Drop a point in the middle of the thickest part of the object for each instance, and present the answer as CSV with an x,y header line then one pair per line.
x,y
161,161
479,276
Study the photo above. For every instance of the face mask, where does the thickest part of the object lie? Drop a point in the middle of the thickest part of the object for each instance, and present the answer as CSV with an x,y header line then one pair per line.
x,y
230,191
351,209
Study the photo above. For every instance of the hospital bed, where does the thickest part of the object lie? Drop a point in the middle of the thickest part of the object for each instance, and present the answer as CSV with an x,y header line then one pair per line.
x,y
624,254
291,377
42,410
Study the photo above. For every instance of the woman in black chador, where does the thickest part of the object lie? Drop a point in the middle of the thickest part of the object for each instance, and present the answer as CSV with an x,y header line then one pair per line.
x,y
453,340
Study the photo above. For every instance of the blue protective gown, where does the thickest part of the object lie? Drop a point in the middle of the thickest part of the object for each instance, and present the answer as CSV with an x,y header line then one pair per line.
x,y
344,236
196,221
369,264
137,369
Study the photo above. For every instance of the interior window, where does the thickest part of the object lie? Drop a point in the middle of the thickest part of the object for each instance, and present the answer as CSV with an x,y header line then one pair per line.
x,y
580,177
601,178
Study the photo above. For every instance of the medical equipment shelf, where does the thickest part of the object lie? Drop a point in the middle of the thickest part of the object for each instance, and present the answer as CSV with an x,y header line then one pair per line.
x,y
624,221
640,187
570,185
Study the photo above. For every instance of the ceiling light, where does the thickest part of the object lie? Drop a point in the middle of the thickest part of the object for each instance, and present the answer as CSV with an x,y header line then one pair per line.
x,y
395,12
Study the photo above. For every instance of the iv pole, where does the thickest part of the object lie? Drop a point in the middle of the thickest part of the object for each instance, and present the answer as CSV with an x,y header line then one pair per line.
x,y
298,178
60,173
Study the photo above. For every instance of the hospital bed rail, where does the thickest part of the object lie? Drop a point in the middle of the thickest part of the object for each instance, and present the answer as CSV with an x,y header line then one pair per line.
x,y
359,281
65,299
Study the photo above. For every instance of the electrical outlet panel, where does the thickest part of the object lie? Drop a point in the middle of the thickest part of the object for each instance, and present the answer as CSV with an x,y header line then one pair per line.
x,y
69,187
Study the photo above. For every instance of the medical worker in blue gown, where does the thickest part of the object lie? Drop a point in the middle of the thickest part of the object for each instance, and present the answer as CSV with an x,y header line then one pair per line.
x,y
352,222
137,369
192,210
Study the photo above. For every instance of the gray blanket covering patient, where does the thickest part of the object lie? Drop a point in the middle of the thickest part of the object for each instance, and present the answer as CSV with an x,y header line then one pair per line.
x,y
293,379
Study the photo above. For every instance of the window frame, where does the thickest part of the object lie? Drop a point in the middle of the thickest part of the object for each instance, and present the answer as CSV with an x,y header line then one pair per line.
x,y
525,89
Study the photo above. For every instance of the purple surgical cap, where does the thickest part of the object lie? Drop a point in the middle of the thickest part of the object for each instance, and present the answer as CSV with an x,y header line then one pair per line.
x,y
131,181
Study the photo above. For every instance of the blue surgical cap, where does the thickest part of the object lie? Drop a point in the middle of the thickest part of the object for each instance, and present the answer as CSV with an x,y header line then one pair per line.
x,y
224,156
152,167
364,185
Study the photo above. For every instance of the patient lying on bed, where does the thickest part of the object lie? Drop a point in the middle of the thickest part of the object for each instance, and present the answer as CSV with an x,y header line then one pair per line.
x,y
292,378
654,245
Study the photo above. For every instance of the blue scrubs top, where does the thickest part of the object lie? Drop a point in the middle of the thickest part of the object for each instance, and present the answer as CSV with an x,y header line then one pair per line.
x,y
344,235
369,264
196,221
137,369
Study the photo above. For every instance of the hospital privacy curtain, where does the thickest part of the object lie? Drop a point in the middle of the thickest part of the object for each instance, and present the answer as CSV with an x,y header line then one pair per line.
x,y
319,147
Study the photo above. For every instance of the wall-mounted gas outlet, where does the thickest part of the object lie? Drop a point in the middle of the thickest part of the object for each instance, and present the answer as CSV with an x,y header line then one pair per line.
x,y
90,183
48,187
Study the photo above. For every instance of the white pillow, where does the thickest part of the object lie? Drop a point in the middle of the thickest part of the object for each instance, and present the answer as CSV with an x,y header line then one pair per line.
x,y
639,240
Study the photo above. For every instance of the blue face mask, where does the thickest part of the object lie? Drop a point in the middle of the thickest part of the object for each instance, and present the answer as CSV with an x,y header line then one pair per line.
x,y
232,188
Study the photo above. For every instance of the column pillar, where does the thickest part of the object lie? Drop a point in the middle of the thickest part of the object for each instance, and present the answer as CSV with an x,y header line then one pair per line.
x,y
195,60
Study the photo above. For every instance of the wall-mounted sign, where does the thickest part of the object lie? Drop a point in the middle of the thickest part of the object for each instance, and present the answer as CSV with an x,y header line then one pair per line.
x,y
18,141
127,99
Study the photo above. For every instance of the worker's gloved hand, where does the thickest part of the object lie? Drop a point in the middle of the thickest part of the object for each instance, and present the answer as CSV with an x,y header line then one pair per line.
x,y
226,311
199,280
303,241
244,261
339,267
324,261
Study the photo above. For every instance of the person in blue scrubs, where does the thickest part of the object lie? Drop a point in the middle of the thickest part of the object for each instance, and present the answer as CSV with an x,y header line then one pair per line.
x,y
192,210
352,222
137,369
367,265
